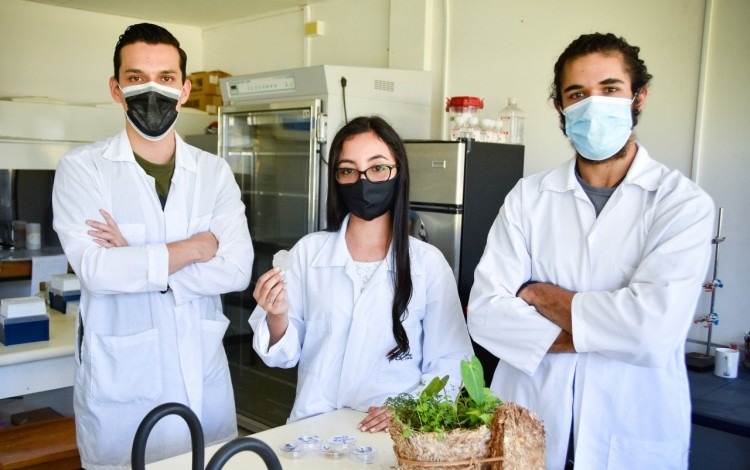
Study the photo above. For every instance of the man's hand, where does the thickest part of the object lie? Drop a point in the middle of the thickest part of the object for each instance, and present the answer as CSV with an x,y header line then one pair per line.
x,y
563,343
206,245
106,234
553,302
199,248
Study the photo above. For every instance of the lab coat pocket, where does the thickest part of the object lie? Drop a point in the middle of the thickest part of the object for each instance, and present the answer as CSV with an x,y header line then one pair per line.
x,y
315,347
214,358
406,370
629,453
135,234
126,368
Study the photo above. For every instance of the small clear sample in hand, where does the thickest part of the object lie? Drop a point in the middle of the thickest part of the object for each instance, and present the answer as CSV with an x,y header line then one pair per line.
x,y
282,260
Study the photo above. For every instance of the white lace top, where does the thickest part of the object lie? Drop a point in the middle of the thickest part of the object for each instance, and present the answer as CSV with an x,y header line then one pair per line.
x,y
365,270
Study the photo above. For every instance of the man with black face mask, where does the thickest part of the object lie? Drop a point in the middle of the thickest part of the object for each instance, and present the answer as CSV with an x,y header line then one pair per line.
x,y
155,229
591,275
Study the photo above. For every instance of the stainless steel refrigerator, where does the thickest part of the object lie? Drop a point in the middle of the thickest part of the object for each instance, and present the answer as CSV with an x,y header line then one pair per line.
x,y
457,189
274,131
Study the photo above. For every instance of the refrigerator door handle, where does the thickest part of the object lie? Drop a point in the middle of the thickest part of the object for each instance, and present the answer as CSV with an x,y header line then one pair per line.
x,y
322,129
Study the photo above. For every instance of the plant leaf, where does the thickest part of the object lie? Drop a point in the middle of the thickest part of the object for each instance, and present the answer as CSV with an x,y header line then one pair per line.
x,y
473,377
435,385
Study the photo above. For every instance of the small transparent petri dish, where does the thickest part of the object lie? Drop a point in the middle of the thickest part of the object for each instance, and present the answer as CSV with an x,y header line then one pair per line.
x,y
363,454
331,452
342,442
308,442
291,450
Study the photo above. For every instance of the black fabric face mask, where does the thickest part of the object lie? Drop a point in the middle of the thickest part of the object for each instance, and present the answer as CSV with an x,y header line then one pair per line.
x,y
368,200
152,109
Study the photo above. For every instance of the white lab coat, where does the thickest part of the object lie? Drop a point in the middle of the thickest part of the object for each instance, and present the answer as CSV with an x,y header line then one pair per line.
x,y
637,270
149,337
341,338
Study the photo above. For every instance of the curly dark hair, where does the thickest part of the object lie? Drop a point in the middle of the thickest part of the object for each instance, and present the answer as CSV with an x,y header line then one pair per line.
x,y
337,211
606,44
150,34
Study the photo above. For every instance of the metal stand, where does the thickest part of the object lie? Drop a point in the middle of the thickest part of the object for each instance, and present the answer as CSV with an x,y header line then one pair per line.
x,y
698,361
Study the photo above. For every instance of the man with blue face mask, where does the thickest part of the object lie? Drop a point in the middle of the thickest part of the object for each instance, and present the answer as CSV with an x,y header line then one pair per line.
x,y
156,230
591,276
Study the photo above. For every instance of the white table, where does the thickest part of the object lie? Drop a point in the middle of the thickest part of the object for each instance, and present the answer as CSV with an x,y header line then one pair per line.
x,y
326,425
41,365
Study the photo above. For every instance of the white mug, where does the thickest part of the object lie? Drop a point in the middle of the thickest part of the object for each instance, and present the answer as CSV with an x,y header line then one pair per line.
x,y
726,362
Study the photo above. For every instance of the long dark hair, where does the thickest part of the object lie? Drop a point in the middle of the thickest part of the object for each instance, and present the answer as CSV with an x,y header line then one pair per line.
x,y
607,43
337,211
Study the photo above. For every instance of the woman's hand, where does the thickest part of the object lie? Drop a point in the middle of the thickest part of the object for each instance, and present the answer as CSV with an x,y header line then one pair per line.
x,y
106,234
269,292
377,420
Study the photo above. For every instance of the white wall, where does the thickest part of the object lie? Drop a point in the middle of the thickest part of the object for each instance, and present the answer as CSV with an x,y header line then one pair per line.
x,y
495,49
272,42
723,162
66,54
355,33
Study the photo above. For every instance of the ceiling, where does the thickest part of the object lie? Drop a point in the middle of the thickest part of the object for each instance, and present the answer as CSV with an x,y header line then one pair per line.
x,y
200,13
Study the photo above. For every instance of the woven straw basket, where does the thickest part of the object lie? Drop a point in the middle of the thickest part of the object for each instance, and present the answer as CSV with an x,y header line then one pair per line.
x,y
514,441
425,451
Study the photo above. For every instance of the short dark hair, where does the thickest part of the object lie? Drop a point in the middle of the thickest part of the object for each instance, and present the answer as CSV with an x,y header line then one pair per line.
x,y
337,211
606,44
150,34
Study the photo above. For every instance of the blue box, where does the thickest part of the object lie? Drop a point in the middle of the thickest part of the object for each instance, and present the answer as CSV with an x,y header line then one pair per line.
x,y
24,330
58,300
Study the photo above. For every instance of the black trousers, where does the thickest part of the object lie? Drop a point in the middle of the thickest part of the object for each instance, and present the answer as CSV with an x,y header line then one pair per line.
x,y
569,462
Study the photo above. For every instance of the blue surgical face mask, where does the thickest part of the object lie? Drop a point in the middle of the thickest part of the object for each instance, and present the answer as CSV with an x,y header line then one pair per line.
x,y
599,126
152,108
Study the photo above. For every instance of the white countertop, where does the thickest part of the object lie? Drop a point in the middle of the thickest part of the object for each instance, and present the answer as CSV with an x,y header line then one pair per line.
x,y
338,422
41,365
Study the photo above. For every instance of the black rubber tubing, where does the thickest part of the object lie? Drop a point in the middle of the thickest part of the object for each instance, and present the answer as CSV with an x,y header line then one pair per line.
x,y
138,454
244,443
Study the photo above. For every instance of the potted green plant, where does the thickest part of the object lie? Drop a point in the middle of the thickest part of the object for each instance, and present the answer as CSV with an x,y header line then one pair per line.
x,y
473,429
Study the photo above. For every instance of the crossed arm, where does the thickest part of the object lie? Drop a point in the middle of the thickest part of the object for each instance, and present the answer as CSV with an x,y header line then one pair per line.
x,y
199,248
554,303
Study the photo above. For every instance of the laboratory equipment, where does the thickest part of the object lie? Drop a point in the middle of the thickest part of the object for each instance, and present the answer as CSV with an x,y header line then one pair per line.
x,y
704,361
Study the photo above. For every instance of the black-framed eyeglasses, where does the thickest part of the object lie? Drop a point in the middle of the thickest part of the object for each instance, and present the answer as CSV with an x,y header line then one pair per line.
x,y
375,174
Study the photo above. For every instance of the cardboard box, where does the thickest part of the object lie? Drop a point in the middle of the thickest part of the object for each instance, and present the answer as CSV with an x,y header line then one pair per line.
x,y
207,82
24,330
58,299
204,102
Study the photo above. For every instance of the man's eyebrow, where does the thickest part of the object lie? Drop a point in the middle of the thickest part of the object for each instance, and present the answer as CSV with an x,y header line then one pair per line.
x,y
606,81
572,87
163,72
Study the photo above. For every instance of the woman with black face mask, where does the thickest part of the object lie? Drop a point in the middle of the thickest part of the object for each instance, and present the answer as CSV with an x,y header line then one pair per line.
x,y
366,310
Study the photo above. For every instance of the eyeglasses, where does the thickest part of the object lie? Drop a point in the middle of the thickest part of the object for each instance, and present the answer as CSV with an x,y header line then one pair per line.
x,y
374,174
